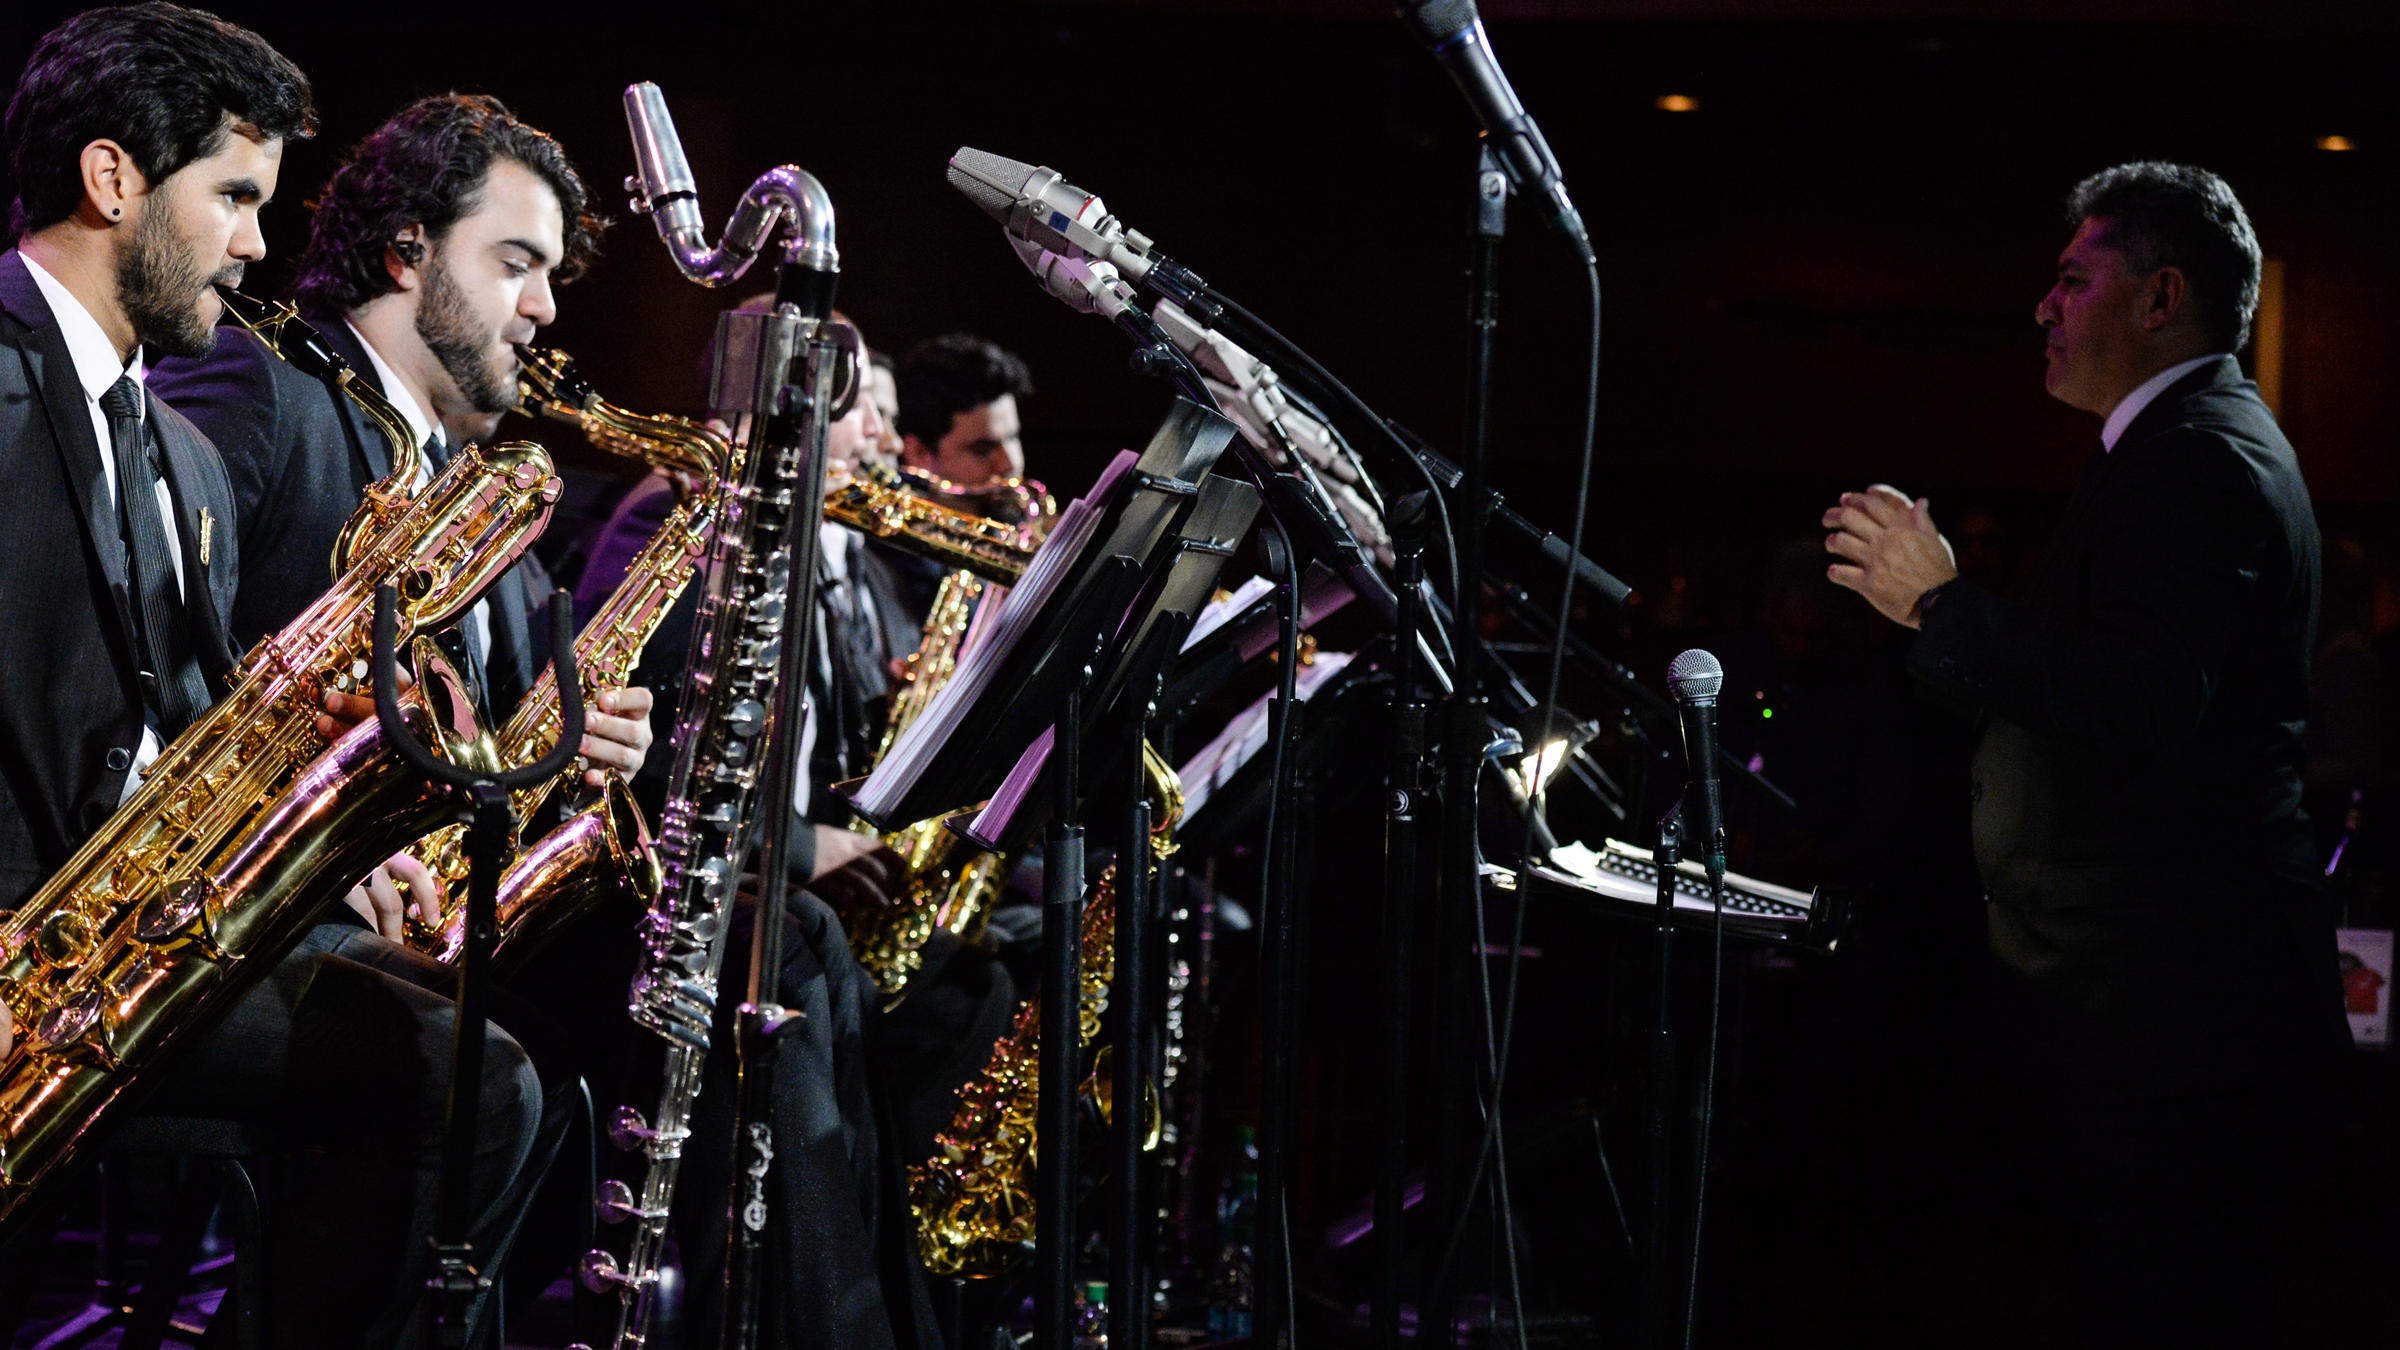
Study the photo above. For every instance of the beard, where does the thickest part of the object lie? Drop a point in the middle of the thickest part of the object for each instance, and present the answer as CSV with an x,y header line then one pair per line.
x,y
160,286
447,326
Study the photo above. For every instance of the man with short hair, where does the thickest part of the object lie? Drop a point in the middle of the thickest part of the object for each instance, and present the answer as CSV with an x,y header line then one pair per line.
x,y
144,140
958,410
2166,965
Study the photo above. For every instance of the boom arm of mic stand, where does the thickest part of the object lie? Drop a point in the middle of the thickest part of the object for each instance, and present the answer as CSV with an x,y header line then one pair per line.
x,y
1652,708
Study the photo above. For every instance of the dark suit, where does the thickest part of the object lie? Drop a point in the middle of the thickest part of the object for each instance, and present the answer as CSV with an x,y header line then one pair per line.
x,y
301,456
2166,966
71,720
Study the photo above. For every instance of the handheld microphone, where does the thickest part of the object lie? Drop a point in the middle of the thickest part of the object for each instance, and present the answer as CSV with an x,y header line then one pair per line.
x,y
1695,679
1454,31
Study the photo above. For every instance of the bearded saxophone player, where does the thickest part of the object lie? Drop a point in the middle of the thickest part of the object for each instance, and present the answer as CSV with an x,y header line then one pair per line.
x,y
137,188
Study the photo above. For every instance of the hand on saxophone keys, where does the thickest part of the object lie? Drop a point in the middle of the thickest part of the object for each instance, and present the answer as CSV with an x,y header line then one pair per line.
x,y
385,897
616,734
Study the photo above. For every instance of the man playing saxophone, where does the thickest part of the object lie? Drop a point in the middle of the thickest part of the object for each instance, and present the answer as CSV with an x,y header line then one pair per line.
x,y
432,250
143,141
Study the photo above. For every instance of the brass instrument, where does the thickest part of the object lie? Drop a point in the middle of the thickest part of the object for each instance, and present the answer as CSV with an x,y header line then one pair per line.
x,y
876,503
288,336
543,889
973,1199
1011,501
248,823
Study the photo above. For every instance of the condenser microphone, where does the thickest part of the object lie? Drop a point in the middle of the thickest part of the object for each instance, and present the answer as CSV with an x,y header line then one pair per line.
x,y
1454,31
1695,679
1039,206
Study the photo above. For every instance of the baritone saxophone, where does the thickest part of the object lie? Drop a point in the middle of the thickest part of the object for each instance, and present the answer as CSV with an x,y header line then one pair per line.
x,y
973,1199
248,823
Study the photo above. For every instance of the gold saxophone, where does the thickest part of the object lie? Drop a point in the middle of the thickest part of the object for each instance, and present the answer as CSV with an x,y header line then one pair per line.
x,y
248,823
879,502
605,844
973,1199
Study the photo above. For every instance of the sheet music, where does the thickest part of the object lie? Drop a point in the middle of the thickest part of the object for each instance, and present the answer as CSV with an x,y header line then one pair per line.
x,y
1246,735
1221,612
987,648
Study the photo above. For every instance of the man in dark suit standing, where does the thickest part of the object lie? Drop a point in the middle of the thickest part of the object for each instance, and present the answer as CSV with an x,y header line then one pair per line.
x,y
2165,966
143,141
434,248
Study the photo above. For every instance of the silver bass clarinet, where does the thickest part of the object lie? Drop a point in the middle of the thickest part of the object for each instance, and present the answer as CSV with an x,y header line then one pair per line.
x,y
775,374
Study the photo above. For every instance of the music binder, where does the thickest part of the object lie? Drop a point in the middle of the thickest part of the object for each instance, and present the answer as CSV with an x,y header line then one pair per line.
x,y
1077,597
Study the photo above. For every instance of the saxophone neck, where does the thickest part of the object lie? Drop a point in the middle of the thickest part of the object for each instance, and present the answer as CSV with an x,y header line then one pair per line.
x,y
550,384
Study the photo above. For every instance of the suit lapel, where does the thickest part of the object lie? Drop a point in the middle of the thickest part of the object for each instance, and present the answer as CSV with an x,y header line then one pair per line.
x,y
366,439
202,536
50,368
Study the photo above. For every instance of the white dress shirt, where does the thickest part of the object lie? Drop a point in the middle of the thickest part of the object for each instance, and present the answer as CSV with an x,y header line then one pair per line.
x,y
2121,416
97,370
421,427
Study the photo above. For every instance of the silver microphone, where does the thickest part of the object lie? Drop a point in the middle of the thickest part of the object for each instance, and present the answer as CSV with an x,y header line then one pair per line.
x,y
1038,205
1695,679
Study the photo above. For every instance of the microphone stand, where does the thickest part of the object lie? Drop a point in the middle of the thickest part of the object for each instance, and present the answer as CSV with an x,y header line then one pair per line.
x,y
1658,1316
1406,781
1133,1219
1060,1056
456,1282
1463,728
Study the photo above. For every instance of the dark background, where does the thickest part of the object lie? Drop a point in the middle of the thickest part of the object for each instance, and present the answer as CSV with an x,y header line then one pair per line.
x,y
1823,276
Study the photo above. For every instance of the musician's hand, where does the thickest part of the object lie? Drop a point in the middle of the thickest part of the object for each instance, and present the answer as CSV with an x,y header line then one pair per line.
x,y
379,901
1895,553
8,1031
616,734
855,873
344,711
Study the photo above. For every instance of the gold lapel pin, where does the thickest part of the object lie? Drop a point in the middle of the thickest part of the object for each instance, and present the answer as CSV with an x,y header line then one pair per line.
x,y
208,531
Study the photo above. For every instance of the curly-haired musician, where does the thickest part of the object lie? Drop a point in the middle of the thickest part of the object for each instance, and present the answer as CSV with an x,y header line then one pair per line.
x,y
144,140
2167,967
433,248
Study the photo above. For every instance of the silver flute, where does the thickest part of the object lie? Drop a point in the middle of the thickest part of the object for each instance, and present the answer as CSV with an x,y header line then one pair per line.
x,y
744,681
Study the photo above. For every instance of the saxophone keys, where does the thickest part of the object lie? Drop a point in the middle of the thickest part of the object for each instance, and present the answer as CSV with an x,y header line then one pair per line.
x,y
70,1024
65,940
180,915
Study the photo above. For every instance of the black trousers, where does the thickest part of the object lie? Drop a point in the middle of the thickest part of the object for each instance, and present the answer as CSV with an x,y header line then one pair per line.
x,y
344,1052
840,1255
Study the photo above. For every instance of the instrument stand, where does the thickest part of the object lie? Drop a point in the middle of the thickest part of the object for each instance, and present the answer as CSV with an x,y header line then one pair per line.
x,y
1061,1048
457,1282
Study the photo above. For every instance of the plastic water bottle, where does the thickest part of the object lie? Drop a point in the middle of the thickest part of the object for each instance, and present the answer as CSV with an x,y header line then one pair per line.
x,y
1091,1316
1233,1283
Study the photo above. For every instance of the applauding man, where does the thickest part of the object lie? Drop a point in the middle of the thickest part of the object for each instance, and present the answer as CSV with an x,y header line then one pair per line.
x,y
2167,969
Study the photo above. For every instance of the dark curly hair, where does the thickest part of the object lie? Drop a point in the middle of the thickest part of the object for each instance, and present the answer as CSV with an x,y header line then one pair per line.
x,y
2158,215
157,79
958,372
426,166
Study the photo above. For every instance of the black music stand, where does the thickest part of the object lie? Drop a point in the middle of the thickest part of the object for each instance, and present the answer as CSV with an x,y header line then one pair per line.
x,y
491,825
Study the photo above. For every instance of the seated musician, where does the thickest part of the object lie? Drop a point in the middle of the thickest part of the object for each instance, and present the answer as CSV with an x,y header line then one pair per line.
x,y
144,140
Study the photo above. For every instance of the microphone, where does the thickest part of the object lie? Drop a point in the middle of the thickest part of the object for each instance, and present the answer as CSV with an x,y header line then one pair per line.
x,y
1040,207
1695,679
1454,31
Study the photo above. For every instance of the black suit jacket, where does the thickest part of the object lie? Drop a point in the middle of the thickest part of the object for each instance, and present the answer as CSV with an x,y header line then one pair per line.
x,y
301,456
2136,788
70,710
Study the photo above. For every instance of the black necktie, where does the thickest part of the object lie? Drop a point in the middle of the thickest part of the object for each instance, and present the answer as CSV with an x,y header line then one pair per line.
x,y
465,648
172,685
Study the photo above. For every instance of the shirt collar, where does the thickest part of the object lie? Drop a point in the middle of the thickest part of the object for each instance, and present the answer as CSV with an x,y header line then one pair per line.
x,y
2131,406
95,357
419,424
